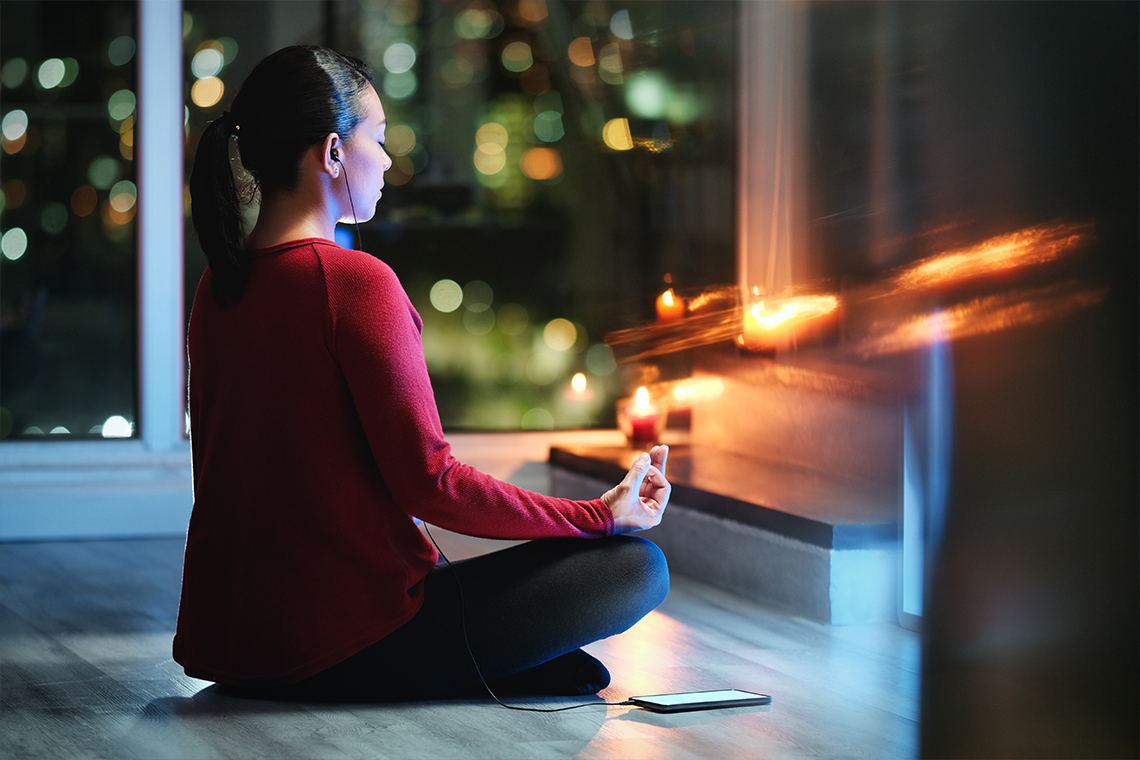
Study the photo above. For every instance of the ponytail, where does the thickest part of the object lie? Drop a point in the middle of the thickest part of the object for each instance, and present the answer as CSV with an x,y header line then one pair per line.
x,y
216,212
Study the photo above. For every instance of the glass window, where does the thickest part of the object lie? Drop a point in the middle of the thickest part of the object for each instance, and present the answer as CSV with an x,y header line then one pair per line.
x,y
557,166
67,270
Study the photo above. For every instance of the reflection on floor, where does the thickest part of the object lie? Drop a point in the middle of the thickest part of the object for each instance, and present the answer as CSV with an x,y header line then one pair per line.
x,y
86,628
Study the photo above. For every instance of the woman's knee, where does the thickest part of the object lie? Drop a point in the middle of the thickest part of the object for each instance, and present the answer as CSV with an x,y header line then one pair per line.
x,y
639,566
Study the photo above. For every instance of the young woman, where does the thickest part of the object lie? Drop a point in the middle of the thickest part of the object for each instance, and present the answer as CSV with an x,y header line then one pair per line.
x,y
316,441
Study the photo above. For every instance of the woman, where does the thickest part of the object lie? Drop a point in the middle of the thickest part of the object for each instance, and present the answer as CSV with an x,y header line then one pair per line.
x,y
316,441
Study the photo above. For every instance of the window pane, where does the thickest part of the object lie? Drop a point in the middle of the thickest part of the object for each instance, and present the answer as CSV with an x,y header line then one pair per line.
x,y
67,273
557,166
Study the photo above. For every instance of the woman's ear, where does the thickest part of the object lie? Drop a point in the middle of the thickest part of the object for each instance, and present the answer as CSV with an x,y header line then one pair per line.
x,y
330,154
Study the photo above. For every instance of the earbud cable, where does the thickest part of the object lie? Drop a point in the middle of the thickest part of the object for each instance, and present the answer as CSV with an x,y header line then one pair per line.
x,y
467,642
359,240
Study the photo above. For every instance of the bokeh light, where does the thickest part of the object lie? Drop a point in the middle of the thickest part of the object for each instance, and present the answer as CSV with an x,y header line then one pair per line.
x,y
400,86
117,426
479,322
600,360
121,50
103,172
123,196
53,218
477,296
15,191
14,72
620,25
517,56
457,72
542,163
646,94
548,126
84,200
581,52
560,334
122,104
207,92
533,10
15,124
399,140
59,430
51,73
14,243
446,296
616,134
478,23
207,62
70,72
399,57
538,419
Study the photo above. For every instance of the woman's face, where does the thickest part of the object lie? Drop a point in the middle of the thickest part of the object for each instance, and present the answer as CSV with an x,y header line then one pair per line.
x,y
364,159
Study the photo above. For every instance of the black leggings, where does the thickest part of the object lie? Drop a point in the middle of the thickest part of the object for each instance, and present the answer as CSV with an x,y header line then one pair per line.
x,y
522,606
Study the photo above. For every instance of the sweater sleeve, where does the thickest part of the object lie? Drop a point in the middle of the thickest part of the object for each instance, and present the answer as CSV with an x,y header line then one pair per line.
x,y
375,336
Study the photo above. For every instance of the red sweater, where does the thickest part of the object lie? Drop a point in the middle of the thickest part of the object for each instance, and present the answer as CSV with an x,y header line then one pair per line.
x,y
316,440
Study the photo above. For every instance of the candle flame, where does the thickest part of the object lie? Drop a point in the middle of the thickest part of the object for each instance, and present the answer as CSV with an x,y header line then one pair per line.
x,y
667,297
795,308
578,382
641,399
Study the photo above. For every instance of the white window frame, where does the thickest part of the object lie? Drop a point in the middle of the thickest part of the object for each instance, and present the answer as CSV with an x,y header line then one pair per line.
x,y
141,486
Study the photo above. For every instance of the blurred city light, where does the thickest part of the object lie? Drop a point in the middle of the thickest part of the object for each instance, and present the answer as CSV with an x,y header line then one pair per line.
x,y
14,72
399,57
620,25
513,319
53,218
517,56
548,126
84,200
477,296
103,171
560,334
400,86
121,104
207,92
15,124
51,73
542,163
123,195
399,140
446,296
581,52
14,243
207,62
533,10
117,426
616,134
647,94
121,50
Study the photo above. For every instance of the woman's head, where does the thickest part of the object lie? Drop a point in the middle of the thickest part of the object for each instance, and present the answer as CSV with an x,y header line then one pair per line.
x,y
292,100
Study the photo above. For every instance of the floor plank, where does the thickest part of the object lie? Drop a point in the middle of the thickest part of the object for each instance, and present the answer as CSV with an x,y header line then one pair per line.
x,y
86,672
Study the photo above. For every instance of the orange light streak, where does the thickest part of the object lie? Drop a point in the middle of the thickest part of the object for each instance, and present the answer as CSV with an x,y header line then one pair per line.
x,y
764,327
980,316
1032,245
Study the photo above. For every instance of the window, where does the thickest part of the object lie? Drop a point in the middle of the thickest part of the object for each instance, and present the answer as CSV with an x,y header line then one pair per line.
x,y
67,273
557,166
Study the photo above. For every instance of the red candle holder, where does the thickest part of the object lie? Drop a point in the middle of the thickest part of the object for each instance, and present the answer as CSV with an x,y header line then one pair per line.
x,y
641,418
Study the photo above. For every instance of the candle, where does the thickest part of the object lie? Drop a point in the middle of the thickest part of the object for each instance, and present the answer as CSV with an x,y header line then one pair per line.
x,y
669,307
766,328
579,390
643,416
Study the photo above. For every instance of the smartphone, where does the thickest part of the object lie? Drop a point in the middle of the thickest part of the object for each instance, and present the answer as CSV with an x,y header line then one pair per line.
x,y
700,700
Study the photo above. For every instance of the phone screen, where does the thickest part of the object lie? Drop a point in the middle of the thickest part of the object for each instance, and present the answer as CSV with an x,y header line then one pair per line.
x,y
700,700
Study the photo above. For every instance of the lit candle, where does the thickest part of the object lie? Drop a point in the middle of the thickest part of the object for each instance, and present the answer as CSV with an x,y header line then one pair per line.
x,y
643,416
766,328
579,390
669,307
760,328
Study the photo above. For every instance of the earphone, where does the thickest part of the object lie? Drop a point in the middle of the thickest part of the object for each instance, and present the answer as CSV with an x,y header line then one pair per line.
x,y
335,156
478,671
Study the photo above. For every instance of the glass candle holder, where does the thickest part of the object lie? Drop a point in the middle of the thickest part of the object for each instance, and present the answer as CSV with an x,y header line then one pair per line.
x,y
641,419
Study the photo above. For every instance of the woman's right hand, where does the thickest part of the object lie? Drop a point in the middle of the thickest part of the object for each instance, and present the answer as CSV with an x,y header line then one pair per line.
x,y
639,500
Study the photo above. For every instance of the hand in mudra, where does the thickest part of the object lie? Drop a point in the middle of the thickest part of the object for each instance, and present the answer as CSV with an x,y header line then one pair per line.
x,y
639,500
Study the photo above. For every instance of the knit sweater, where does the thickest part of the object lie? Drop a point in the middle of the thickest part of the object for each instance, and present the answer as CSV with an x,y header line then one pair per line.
x,y
316,440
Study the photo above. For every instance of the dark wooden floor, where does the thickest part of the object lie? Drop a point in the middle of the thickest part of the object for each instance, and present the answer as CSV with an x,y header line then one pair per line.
x,y
86,672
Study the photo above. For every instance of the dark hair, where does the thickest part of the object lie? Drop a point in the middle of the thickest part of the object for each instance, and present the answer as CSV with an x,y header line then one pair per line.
x,y
291,101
